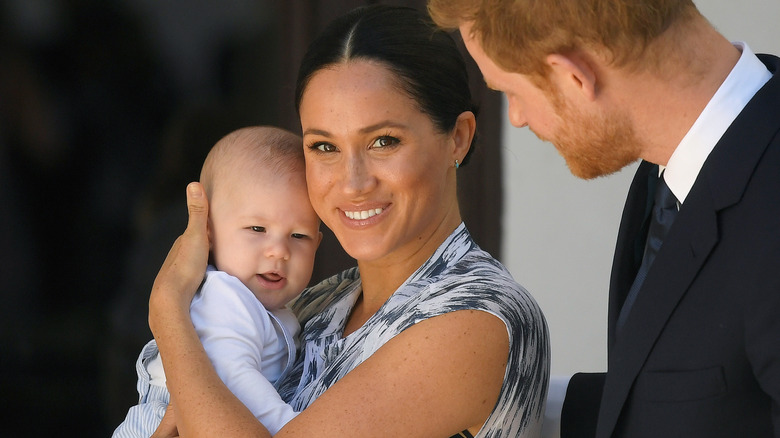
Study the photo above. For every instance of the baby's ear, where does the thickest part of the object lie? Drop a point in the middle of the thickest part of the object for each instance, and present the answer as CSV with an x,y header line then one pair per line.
x,y
208,235
319,238
209,226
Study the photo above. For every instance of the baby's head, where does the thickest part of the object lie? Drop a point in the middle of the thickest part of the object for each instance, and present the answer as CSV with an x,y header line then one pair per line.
x,y
262,228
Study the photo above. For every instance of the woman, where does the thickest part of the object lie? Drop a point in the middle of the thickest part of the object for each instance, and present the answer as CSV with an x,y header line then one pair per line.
x,y
428,336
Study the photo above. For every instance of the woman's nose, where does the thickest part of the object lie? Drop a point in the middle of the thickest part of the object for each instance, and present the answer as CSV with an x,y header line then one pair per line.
x,y
358,177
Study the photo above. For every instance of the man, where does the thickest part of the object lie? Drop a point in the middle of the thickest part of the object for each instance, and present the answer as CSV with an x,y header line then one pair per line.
x,y
694,315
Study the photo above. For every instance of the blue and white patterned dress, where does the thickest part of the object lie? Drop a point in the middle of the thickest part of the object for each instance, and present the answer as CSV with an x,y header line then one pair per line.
x,y
458,276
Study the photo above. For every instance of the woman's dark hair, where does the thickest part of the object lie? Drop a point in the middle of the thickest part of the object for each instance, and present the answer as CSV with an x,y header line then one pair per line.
x,y
424,58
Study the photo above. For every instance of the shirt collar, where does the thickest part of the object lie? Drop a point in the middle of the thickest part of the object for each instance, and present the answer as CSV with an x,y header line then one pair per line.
x,y
745,79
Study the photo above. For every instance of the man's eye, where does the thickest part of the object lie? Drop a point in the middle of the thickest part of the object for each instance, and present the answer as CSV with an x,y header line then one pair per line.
x,y
257,229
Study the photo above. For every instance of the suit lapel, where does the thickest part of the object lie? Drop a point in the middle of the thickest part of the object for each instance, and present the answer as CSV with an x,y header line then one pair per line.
x,y
694,235
690,241
630,241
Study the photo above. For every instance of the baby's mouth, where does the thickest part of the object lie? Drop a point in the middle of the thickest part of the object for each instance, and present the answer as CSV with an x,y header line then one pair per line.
x,y
272,277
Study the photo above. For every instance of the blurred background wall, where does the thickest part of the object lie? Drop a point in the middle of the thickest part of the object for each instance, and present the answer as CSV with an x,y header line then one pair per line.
x,y
107,110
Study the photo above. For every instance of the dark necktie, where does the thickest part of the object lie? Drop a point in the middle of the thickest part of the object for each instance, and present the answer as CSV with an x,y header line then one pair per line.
x,y
664,212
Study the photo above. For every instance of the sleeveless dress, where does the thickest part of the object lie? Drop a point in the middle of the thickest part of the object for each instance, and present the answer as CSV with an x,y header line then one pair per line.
x,y
458,276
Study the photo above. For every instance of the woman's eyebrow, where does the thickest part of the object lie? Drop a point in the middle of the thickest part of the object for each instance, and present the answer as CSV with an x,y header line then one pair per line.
x,y
380,125
365,130
314,131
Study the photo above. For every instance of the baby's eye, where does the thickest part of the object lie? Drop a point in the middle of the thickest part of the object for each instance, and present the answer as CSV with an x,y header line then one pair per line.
x,y
298,236
385,141
257,229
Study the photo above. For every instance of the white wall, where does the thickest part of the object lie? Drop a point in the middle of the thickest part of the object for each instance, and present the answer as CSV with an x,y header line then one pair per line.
x,y
560,231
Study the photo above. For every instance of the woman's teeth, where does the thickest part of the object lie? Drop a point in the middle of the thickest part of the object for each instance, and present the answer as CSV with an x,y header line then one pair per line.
x,y
365,214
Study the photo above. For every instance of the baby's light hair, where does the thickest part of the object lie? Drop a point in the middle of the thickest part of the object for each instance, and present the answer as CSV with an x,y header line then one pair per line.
x,y
252,149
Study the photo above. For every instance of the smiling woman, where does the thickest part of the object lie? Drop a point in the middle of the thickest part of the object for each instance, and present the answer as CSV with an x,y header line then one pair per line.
x,y
429,336
381,176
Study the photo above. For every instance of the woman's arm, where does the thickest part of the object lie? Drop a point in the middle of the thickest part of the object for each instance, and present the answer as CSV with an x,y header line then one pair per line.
x,y
204,406
436,378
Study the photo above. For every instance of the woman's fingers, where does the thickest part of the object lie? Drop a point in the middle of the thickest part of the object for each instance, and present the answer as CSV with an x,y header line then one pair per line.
x,y
186,262
198,209
167,427
184,267
194,243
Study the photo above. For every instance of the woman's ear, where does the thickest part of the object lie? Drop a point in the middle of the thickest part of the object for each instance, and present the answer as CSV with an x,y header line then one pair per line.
x,y
463,134
573,73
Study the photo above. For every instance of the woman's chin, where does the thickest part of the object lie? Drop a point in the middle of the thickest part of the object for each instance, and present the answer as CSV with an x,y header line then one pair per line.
x,y
361,249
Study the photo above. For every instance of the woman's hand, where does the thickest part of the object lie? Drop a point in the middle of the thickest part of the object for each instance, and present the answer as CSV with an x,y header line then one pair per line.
x,y
167,427
185,265
204,405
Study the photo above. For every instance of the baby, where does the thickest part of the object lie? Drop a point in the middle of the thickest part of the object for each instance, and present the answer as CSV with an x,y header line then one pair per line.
x,y
263,234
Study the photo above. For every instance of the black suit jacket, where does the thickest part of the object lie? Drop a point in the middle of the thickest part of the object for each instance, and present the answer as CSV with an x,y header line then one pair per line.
x,y
699,355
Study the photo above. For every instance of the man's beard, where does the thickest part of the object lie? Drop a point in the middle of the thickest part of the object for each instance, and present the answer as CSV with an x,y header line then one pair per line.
x,y
594,145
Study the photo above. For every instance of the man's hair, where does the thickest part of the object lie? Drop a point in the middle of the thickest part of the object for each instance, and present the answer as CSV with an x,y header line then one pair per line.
x,y
519,34
252,149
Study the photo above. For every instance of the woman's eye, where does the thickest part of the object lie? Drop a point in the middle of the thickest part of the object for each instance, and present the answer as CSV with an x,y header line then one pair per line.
x,y
385,141
323,147
257,229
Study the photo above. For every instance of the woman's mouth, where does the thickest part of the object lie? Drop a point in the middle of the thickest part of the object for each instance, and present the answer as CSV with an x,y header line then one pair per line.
x,y
362,214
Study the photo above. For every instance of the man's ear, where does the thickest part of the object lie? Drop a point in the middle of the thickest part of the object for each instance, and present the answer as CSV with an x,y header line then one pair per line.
x,y
573,73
